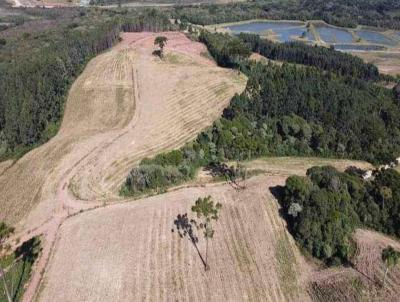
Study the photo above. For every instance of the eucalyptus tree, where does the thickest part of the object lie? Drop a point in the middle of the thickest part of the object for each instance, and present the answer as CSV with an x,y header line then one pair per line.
x,y
207,212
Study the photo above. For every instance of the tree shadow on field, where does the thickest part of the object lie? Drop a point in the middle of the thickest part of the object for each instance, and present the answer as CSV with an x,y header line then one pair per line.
x,y
375,282
27,252
277,192
217,169
185,227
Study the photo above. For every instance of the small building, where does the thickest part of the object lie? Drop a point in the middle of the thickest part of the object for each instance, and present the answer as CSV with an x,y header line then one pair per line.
x,y
367,175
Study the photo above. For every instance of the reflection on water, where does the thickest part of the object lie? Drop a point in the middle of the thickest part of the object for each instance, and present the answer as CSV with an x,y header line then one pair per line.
x,y
375,37
333,35
260,27
286,35
342,38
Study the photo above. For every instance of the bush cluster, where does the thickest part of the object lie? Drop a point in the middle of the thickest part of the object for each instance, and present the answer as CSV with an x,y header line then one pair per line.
x,y
324,208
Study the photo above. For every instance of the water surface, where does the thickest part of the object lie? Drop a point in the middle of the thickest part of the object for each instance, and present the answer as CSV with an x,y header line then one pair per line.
x,y
375,37
260,27
333,35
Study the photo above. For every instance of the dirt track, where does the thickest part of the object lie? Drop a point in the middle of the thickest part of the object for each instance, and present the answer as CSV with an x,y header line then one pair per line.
x,y
125,106
127,252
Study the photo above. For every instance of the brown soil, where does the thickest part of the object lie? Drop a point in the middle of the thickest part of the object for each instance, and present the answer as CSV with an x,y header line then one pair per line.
x,y
126,105
127,252
363,281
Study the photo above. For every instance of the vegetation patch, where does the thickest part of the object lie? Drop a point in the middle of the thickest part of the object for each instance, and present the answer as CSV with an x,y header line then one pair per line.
x,y
324,208
344,13
34,88
350,288
18,267
288,111
287,266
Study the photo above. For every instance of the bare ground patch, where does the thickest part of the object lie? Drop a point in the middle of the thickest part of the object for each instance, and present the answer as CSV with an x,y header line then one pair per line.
x,y
127,252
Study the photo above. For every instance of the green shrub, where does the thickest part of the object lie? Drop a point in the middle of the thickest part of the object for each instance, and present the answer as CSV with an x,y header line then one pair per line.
x,y
324,208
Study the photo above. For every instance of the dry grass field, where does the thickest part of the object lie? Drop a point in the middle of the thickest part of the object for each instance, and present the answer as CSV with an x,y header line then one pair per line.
x,y
363,280
127,252
387,62
127,105
298,165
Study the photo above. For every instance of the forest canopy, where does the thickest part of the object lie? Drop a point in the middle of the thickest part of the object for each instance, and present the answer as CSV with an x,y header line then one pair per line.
x,y
346,13
289,110
324,208
34,87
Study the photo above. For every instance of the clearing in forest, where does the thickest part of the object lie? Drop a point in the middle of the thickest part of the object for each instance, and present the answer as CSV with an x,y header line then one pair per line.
x,y
126,105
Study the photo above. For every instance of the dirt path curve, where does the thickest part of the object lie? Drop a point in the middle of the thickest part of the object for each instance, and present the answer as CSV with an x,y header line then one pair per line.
x,y
126,105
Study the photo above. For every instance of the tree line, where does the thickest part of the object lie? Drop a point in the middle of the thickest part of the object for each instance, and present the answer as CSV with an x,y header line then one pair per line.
x,y
346,13
39,67
284,111
324,58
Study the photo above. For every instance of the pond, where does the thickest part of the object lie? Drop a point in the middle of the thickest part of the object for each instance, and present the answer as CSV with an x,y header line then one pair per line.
x,y
260,27
286,35
284,31
343,38
375,37
333,35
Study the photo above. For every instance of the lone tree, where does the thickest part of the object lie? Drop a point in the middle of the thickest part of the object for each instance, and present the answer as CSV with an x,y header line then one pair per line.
x,y
5,232
160,41
207,212
391,258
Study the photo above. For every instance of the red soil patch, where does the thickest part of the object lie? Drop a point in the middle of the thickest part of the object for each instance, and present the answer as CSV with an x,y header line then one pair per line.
x,y
176,42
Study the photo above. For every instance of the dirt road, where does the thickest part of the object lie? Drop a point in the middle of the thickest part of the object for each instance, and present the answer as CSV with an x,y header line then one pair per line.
x,y
127,252
126,105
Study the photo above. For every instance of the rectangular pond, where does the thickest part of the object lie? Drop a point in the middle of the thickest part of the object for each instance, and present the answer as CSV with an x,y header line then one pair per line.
x,y
291,34
260,27
342,38
333,35
284,31
375,37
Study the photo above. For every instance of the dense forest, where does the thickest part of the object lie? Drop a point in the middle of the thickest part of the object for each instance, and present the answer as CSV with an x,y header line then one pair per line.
x,y
285,110
321,57
347,13
324,208
34,87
